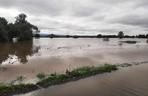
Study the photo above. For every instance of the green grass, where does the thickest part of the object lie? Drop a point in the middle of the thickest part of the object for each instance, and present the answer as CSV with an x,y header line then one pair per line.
x,y
7,90
75,74
41,76
53,79
18,80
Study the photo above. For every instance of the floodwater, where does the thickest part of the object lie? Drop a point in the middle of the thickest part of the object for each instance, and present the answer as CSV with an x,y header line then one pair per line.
x,y
131,81
47,56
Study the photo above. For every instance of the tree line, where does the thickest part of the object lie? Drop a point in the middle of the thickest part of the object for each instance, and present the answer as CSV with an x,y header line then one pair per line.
x,y
20,29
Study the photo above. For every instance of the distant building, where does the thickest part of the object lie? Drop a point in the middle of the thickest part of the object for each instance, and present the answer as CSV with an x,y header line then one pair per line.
x,y
121,34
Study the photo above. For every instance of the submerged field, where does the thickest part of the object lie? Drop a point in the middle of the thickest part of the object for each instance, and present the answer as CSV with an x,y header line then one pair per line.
x,y
27,59
55,79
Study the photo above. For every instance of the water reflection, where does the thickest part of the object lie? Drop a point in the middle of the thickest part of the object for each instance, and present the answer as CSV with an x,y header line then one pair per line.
x,y
17,51
120,43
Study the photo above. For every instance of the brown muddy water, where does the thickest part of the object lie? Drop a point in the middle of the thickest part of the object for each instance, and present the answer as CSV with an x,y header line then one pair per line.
x,y
131,81
46,55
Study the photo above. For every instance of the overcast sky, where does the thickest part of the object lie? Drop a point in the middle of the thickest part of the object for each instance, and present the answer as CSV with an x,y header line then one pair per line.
x,y
81,16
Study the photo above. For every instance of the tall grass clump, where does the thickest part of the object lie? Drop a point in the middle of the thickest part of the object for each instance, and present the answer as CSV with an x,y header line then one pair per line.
x,y
41,76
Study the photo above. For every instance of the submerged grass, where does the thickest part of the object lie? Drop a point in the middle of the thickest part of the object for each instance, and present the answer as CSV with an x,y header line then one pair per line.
x,y
75,74
41,76
53,79
7,90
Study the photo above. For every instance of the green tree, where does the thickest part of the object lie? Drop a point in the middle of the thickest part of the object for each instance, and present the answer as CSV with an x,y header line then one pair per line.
x,y
12,31
24,28
21,18
120,34
3,21
21,29
3,29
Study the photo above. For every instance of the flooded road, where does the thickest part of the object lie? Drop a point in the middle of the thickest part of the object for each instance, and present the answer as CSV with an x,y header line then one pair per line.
x,y
47,55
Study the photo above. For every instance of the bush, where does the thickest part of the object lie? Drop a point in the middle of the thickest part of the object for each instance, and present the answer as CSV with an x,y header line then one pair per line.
x,y
41,76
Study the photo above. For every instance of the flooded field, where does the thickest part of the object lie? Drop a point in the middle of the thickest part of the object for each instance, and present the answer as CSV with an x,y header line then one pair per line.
x,y
47,56
56,55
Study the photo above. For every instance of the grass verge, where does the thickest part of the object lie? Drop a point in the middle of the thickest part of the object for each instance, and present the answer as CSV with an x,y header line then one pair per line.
x,y
54,79
75,75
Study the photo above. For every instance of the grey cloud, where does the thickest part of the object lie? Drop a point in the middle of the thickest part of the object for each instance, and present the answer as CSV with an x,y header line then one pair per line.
x,y
133,20
81,15
83,11
37,7
50,7
109,30
141,3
